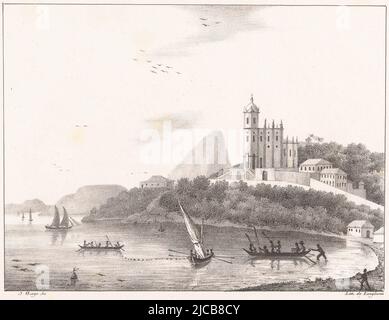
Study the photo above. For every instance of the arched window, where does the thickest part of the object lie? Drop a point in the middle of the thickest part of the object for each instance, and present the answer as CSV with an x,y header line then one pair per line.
x,y
253,138
254,120
247,120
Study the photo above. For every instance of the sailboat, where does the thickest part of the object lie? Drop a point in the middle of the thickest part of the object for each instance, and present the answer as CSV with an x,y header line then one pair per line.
x,y
58,224
30,215
199,258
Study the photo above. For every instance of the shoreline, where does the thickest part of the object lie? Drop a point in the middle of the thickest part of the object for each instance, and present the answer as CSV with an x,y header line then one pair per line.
x,y
375,276
174,217
348,284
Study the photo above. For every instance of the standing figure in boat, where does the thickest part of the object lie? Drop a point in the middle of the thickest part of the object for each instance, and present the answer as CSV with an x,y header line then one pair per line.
x,y
198,255
57,224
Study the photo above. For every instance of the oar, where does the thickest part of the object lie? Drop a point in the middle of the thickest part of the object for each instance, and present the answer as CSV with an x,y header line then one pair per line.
x,y
256,235
248,238
178,252
310,259
223,260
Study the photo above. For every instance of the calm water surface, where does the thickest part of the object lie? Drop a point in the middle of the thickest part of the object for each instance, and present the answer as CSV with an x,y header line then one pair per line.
x,y
31,249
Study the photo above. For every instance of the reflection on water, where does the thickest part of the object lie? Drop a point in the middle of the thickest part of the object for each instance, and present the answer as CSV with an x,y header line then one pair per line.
x,y
145,263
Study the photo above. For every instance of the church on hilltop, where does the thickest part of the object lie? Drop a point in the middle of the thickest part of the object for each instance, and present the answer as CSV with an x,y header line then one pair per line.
x,y
266,147
267,153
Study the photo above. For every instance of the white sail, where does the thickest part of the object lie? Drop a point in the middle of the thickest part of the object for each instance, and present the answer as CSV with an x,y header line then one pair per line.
x,y
65,219
56,218
193,233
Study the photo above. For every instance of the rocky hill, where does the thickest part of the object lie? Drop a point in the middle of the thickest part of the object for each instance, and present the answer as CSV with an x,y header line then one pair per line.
x,y
89,197
35,205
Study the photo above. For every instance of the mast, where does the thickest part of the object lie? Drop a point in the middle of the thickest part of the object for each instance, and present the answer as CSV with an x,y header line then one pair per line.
x,y
30,215
202,232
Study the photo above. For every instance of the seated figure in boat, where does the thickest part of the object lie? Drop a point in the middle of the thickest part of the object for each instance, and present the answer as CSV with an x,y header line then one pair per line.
x,y
278,246
296,248
252,248
264,249
272,246
117,244
302,247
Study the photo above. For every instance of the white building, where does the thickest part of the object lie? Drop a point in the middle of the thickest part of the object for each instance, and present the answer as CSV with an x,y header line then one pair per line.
x,y
156,182
315,165
360,228
378,236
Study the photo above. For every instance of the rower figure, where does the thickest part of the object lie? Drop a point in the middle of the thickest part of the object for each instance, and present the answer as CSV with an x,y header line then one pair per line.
x,y
84,243
321,253
296,248
272,247
252,248
278,247
302,247
265,249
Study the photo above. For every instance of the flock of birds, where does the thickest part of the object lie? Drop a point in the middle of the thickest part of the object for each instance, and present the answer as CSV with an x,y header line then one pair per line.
x,y
207,23
157,68
160,68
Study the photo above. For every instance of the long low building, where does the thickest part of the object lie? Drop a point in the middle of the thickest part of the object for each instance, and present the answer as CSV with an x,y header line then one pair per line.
x,y
156,182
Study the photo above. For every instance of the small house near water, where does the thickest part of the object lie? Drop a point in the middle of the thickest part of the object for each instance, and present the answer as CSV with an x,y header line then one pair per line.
x,y
360,228
378,236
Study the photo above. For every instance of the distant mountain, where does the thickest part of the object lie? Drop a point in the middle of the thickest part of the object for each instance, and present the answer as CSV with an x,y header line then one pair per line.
x,y
89,197
35,205
208,157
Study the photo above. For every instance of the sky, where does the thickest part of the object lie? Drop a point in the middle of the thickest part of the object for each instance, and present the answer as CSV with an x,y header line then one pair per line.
x,y
87,102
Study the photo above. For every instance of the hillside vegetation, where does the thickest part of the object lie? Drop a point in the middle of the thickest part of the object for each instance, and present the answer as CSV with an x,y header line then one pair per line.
x,y
262,205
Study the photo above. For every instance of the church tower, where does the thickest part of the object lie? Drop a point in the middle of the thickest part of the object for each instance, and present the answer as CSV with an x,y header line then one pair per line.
x,y
250,126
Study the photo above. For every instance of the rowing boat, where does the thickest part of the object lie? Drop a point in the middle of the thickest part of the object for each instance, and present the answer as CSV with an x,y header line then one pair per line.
x,y
277,255
101,248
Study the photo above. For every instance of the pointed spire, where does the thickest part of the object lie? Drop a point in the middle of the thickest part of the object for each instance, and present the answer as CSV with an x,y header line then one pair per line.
x,y
272,124
281,125
265,125
252,98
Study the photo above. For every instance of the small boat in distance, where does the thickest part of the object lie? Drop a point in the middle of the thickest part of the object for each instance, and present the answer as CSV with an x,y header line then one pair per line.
x,y
30,215
198,258
65,223
97,246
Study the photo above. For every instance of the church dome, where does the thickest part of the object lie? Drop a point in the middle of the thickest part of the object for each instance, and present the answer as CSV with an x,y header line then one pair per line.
x,y
251,107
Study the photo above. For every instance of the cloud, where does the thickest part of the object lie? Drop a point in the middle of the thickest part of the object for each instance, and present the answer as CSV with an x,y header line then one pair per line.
x,y
222,22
